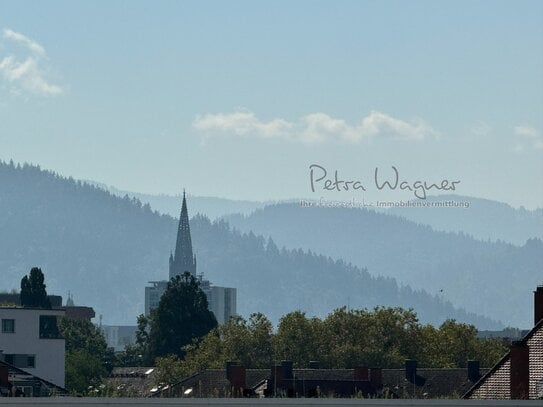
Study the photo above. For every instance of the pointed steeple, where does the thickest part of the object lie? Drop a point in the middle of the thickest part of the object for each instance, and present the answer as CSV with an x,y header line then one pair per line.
x,y
183,260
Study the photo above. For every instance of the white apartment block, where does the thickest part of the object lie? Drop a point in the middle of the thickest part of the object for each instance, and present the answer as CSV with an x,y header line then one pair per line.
x,y
30,340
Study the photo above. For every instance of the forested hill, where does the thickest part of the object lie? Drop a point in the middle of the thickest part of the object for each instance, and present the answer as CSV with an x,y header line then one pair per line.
x,y
495,279
104,249
484,219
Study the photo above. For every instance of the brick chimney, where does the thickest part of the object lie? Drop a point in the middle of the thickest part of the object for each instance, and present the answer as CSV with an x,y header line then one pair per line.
x,y
473,370
410,370
237,380
520,370
229,364
376,377
361,374
538,304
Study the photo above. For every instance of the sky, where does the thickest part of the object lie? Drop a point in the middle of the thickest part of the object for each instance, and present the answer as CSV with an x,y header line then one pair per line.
x,y
238,99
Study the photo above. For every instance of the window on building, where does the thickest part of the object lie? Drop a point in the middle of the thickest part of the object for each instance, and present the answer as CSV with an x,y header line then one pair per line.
x,y
21,361
49,327
8,326
31,362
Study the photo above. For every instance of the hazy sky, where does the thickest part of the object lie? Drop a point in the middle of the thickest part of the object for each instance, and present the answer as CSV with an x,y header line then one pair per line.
x,y
236,99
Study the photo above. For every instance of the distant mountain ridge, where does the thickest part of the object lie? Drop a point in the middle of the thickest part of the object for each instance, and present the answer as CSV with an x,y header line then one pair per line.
x,y
212,207
484,219
104,249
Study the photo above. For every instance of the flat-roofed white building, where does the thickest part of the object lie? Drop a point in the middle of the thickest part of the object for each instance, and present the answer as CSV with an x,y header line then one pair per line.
x,y
30,340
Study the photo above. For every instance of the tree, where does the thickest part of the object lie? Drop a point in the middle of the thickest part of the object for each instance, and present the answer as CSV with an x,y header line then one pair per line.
x,y
383,337
181,317
169,369
84,371
249,342
454,343
87,357
298,339
33,293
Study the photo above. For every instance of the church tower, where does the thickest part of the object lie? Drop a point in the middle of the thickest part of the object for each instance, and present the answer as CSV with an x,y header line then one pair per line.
x,y
183,260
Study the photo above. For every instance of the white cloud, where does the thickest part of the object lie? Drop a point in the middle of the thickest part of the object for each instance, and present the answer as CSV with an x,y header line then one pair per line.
x,y
528,137
314,127
32,45
243,123
25,73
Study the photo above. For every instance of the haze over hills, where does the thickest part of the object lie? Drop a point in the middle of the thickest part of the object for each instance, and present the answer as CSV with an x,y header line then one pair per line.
x,y
484,219
104,249
212,207
495,279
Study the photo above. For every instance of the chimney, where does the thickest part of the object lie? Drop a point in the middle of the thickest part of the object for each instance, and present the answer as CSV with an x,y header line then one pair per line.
x,y
277,376
361,374
229,365
410,369
314,364
376,377
287,369
473,370
520,370
237,380
538,304
4,373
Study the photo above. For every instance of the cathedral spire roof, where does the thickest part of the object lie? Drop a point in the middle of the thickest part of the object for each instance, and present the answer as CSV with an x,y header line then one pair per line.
x,y
184,260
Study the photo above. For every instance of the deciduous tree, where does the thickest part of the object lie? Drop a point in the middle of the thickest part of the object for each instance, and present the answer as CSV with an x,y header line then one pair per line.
x,y
181,317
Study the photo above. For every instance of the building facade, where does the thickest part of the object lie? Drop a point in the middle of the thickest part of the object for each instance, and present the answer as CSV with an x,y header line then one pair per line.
x,y
119,336
222,301
30,340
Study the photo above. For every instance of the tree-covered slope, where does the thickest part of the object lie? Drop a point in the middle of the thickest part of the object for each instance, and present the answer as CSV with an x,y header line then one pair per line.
x,y
104,249
495,279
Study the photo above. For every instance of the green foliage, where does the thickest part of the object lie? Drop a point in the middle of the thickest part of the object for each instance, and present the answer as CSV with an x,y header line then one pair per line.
x,y
83,370
299,339
131,356
249,342
181,317
168,370
454,343
383,337
87,357
82,334
33,292
138,354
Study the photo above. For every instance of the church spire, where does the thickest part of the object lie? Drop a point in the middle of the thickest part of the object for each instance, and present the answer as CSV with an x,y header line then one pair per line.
x,y
183,260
